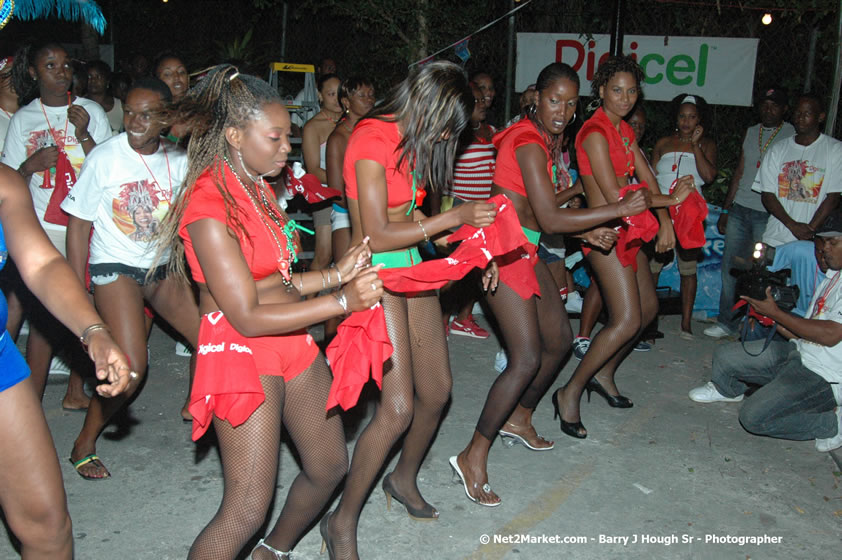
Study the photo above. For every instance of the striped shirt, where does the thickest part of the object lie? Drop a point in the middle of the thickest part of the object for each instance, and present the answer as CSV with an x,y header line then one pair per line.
x,y
474,171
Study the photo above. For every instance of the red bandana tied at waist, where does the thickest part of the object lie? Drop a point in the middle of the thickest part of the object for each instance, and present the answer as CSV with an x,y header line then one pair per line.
x,y
362,343
635,231
688,220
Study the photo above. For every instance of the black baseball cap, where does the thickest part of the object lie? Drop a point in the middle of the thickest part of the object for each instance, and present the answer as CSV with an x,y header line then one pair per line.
x,y
832,226
775,94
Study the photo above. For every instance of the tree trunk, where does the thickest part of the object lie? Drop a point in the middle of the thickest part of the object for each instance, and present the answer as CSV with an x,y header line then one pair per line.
x,y
422,42
90,43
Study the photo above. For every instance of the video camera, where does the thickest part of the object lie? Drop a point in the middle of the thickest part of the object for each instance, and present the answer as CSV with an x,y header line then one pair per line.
x,y
753,278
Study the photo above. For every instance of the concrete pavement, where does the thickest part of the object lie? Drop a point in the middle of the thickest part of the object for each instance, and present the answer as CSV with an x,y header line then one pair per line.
x,y
668,478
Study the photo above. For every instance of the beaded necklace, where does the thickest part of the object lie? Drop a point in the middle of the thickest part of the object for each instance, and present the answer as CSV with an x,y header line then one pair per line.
x,y
58,143
167,195
286,254
629,156
822,299
765,147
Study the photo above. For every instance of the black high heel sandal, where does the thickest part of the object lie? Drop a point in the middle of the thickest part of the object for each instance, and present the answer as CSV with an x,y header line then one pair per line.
x,y
426,513
327,542
572,429
618,401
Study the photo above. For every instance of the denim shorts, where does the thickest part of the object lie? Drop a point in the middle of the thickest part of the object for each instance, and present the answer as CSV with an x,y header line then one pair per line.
x,y
106,273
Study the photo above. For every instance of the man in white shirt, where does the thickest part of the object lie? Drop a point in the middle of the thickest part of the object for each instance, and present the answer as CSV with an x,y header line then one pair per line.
x,y
125,189
799,396
801,177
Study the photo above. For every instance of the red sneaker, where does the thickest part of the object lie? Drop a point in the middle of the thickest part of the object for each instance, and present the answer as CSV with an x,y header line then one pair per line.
x,y
468,327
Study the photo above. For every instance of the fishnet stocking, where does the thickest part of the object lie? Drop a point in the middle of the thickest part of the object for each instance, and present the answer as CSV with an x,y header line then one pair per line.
x,y
250,465
416,387
631,304
537,335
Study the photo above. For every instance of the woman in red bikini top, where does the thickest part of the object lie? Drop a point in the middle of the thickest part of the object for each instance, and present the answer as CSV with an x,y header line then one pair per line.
x,y
537,334
609,157
257,369
394,153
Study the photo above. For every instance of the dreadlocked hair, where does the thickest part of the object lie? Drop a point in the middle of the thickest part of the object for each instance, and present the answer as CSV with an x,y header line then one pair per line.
x,y
25,85
548,76
432,102
614,65
224,98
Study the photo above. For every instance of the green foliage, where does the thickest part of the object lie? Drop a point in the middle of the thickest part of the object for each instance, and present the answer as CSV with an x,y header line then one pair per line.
x,y
239,49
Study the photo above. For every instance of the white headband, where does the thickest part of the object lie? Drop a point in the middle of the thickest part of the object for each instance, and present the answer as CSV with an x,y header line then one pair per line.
x,y
688,99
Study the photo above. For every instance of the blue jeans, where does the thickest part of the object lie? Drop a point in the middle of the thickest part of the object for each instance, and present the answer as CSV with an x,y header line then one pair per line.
x,y
793,402
745,228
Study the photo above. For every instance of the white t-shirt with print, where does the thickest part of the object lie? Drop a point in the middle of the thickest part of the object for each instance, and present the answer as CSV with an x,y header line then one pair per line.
x,y
826,361
28,133
5,119
800,177
125,200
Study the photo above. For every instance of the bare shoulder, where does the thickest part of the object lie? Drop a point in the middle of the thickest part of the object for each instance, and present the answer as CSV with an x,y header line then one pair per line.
x,y
663,144
11,182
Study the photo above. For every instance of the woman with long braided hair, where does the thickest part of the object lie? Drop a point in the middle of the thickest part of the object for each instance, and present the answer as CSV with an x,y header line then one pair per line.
x,y
257,368
395,152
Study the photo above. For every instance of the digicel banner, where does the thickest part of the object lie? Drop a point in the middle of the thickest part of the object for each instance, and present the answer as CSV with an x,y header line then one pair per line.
x,y
719,69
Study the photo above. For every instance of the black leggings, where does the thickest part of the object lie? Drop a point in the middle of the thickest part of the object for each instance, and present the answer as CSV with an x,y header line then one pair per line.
x,y
537,335
250,465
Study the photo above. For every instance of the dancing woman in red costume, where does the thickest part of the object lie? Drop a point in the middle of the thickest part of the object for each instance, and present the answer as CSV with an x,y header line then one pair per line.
x,y
397,150
609,157
257,367
531,173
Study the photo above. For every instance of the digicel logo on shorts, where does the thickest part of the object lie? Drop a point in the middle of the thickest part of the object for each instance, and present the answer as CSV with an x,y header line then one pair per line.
x,y
679,70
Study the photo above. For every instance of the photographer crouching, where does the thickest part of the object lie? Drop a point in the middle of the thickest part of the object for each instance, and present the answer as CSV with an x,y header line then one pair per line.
x,y
799,396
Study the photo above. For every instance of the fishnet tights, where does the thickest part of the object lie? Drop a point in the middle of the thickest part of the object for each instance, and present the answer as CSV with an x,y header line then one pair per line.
x,y
631,304
250,466
416,387
537,336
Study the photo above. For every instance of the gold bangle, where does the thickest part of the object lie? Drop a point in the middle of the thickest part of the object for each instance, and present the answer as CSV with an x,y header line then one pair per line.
x,y
424,231
83,338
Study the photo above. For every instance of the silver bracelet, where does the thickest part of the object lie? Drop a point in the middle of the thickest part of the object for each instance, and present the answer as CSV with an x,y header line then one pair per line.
x,y
328,276
300,282
83,338
339,277
424,231
324,284
343,301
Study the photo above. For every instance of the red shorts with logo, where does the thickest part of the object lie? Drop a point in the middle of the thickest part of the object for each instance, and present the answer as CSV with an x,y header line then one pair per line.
x,y
229,366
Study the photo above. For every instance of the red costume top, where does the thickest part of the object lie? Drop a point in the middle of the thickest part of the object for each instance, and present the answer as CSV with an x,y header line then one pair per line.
x,y
229,365
619,144
635,230
259,248
507,173
378,141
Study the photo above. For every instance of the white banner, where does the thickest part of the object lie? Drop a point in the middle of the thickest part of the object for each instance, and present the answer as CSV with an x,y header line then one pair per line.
x,y
720,69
